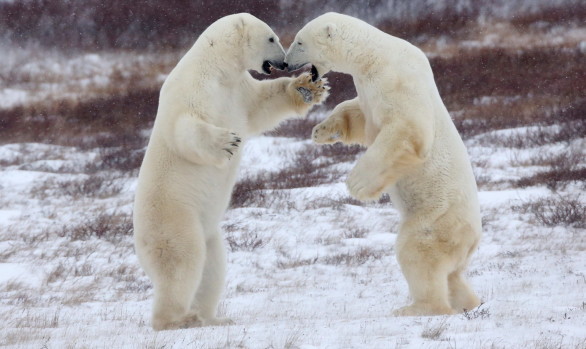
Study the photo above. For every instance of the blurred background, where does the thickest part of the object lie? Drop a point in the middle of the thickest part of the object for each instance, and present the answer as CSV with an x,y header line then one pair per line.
x,y
74,69
58,53
154,25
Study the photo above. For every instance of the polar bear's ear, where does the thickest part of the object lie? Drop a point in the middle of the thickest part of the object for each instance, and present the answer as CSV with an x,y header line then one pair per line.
x,y
241,28
239,24
326,34
330,30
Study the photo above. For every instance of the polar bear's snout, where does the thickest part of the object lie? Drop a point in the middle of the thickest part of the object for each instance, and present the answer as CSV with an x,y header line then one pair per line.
x,y
314,72
275,58
294,62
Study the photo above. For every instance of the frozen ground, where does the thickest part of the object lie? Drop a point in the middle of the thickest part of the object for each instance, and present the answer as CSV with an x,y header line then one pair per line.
x,y
308,266
311,269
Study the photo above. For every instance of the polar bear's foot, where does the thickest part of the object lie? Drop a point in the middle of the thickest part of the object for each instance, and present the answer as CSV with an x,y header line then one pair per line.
x,y
218,321
424,309
161,323
462,297
327,132
311,92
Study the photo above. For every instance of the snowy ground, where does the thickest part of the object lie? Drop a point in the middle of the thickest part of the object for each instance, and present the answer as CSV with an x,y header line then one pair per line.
x,y
309,267
309,270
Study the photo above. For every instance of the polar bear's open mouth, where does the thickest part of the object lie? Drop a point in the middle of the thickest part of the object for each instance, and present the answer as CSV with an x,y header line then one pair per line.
x,y
314,73
268,66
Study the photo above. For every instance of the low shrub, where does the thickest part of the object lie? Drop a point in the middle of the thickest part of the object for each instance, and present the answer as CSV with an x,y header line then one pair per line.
x,y
110,227
556,211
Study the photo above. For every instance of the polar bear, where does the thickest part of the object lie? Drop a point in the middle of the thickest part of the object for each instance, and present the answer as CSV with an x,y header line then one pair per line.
x,y
209,106
414,153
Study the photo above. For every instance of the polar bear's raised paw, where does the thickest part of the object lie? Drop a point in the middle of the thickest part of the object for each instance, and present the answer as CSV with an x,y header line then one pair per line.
x,y
364,182
311,92
327,132
306,94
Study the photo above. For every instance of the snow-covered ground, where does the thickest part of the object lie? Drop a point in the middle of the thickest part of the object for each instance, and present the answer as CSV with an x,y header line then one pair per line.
x,y
308,267
308,270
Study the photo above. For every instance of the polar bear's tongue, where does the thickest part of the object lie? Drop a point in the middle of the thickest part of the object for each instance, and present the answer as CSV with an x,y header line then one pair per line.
x,y
314,73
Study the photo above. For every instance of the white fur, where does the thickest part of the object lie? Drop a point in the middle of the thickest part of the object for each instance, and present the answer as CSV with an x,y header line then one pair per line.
x,y
414,153
209,105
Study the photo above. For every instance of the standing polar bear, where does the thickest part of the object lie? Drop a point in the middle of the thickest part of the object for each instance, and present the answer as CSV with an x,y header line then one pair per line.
x,y
414,153
209,105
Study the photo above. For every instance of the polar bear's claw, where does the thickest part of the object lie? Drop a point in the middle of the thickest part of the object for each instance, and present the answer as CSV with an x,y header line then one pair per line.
x,y
230,144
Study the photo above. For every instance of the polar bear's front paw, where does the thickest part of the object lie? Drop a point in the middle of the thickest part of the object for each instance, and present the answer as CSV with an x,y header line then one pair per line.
x,y
226,146
327,132
309,91
364,185
232,144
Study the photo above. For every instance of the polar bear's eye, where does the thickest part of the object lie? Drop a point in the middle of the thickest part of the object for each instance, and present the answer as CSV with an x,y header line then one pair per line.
x,y
298,43
272,40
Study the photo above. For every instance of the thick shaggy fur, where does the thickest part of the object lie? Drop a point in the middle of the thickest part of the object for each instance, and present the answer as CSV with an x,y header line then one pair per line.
x,y
209,106
414,153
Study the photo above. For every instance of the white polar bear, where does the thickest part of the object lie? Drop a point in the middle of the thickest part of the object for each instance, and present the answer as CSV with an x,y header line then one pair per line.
x,y
208,105
414,153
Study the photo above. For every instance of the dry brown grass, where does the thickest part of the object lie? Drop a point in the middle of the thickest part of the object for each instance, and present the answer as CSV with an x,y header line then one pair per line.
x,y
100,24
95,186
535,74
103,121
540,90
354,258
245,241
568,211
434,329
110,227
310,167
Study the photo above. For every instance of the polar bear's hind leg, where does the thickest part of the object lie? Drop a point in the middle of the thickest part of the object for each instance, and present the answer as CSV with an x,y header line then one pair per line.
x,y
208,294
426,268
461,295
176,271
428,286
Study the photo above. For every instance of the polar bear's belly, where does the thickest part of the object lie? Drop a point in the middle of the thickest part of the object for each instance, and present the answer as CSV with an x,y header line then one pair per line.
x,y
220,193
204,191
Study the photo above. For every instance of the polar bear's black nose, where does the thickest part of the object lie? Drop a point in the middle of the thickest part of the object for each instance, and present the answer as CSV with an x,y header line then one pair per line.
x,y
293,67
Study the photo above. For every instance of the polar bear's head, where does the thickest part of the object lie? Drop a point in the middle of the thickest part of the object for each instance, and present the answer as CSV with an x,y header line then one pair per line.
x,y
254,44
325,42
314,44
